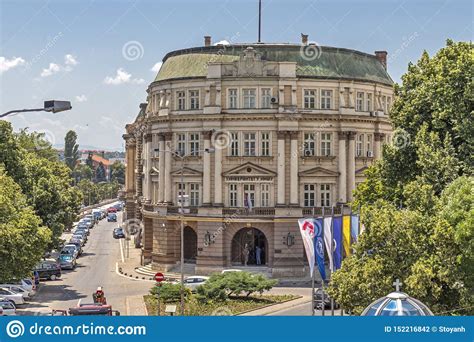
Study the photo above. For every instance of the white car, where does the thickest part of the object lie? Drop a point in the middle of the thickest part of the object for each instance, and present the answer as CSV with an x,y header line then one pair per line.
x,y
17,289
7,308
27,284
16,298
194,281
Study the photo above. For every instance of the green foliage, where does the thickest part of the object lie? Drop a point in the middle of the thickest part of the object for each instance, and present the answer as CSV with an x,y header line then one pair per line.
x,y
100,175
170,293
94,193
221,286
83,171
23,239
117,172
71,149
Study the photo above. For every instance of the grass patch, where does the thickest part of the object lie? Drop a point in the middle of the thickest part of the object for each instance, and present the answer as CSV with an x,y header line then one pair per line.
x,y
232,306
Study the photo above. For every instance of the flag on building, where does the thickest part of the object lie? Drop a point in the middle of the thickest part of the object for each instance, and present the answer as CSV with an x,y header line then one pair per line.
x,y
346,234
319,246
354,227
327,239
337,238
307,234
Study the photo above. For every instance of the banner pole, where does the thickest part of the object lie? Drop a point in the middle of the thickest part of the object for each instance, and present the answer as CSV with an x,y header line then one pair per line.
x,y
312,294
323,306
332,248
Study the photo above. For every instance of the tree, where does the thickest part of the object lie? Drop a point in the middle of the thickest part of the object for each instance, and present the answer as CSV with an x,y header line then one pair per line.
x,y
170,293
100,174
23,238
71,149
117,172
83,171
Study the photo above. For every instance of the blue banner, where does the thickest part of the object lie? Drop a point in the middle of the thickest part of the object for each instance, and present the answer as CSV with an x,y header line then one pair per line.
x,y
235,328
319,246
337,236
354,227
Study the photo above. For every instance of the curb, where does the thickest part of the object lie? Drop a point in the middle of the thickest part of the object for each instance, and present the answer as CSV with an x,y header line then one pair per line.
x,y
270,305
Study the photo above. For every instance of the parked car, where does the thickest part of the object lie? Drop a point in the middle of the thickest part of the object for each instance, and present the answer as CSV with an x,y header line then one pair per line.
x,y
89,222
83,230
97,214
88,310
194,281
67,261
7,308
13,297
48,270
17,289
118,233
112,217
111,210
71,249
81,237
27,284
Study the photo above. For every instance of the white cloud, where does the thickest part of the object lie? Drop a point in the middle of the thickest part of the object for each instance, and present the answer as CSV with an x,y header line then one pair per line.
x,y
6,64
122,77
156,67
70,60
81,98
51,70
222,42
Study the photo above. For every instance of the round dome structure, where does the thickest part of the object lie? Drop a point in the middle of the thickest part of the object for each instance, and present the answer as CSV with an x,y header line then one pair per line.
x,y
397,304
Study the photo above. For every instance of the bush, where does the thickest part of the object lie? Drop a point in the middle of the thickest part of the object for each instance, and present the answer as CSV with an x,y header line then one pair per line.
x,y
170,293
221,286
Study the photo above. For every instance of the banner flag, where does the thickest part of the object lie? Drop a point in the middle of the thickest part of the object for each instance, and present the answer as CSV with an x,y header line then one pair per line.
x,y
337,236
327,240
346,234
354,227
307,234
319,246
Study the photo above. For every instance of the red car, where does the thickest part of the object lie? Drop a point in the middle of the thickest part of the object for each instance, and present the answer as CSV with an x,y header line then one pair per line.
x,y
111,210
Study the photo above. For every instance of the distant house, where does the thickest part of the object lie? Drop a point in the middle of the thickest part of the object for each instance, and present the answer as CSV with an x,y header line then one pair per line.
x,y
96,160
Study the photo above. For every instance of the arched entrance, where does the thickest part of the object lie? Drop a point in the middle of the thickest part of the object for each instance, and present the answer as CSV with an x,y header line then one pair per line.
x,y
190,245
256,243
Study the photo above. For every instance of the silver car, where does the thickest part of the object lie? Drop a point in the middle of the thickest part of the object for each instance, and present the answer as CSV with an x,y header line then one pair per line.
x,y
8,308
13,297
17,289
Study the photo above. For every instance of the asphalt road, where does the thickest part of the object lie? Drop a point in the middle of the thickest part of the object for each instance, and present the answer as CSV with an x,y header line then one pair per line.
x,y
96,267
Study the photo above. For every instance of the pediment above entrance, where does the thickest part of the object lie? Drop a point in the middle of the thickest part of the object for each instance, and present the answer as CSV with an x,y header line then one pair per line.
x,y
318,172
187,172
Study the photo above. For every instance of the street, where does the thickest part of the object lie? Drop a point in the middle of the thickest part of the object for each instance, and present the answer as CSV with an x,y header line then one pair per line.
x,y
96,267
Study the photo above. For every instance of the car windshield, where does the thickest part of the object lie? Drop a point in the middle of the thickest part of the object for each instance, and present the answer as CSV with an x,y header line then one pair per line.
x,y
66,257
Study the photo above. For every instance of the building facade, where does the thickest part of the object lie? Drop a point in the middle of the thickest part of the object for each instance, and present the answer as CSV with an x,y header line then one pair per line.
x,y
254,136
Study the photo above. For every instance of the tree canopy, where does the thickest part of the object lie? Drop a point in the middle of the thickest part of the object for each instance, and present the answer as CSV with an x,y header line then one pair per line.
x,y
71,149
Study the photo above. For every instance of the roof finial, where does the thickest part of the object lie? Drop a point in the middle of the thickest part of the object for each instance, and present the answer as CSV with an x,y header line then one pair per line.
x,y
397,283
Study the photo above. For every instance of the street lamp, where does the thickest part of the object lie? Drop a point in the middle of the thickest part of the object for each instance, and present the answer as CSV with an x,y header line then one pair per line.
x,y
53,106
182,157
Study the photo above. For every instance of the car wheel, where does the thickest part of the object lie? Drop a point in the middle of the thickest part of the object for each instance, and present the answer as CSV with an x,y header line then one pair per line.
x,y
52,277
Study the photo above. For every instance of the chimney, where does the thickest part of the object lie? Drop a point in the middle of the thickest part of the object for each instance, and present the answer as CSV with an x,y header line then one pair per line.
x,y
382,57
304,39
207,40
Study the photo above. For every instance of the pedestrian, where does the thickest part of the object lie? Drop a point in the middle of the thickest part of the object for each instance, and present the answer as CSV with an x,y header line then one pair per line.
x,y
258,255
246,254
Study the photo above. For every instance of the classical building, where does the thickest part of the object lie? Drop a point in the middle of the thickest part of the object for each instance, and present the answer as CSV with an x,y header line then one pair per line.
x,y
255,136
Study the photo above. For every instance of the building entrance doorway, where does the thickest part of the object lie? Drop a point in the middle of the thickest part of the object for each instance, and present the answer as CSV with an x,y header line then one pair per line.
x,y
250,244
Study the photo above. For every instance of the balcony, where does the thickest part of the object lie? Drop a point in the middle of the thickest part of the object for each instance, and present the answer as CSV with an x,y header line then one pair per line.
x,y
322,211
248,212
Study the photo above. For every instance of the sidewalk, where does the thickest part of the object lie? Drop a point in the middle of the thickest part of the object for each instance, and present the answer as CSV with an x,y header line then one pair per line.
x,y
135,306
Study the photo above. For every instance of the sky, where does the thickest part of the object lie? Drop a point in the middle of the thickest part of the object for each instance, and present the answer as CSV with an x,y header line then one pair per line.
x,y
101,55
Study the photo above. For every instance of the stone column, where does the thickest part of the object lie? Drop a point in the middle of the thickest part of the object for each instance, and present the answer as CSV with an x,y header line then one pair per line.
x,y
378,138
294,169
281,168
351,165
218,173
206,174
341,165
147,156
168,158
161,168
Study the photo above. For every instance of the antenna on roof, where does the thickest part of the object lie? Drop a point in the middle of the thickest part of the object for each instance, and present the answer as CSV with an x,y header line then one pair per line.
x,y
259,20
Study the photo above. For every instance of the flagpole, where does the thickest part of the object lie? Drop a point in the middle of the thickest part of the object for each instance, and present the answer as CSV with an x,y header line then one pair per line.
x,y
312,283
350,240
332,249
322,280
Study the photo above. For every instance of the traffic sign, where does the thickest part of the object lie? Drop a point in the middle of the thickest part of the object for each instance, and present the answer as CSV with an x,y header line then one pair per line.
x,y
159,277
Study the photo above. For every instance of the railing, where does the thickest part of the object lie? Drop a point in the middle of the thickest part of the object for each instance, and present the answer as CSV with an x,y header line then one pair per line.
x,y
188,210
322,211
248,212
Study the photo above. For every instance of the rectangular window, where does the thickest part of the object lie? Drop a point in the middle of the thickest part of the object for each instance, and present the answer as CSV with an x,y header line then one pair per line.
x,y
384,103
309,195
389,103
232,195
360,145
360,102
326,99
369,102
265,144
249,144
325,193
194,99
233,98
309,99
181,100
181,193
326,144
266,97
368,145
181,144
265,195
194,194
194,144
249,98
234,144
309,144
249,195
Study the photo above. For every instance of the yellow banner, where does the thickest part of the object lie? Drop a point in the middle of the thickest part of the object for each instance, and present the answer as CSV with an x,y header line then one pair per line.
x,y
346,234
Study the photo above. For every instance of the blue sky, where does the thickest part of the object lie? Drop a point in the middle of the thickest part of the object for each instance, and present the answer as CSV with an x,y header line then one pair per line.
x,y
74,50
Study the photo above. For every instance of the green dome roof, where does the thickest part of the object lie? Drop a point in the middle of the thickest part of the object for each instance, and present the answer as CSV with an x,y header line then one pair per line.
x,y
331,63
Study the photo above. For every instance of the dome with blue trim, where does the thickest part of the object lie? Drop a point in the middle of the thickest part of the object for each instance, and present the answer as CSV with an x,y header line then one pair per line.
x,y
397,304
